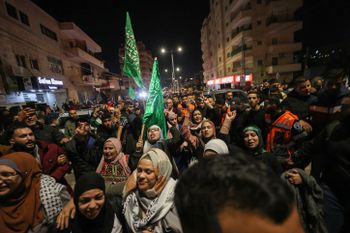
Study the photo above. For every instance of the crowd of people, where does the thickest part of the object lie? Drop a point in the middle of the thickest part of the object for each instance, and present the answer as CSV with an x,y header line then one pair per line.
x,y
281,162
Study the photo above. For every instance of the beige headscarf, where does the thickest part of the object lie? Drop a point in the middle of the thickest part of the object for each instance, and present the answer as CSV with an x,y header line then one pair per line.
x,y
163,168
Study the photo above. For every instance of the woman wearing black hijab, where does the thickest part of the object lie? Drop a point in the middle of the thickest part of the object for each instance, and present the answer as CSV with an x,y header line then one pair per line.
x,y
94,212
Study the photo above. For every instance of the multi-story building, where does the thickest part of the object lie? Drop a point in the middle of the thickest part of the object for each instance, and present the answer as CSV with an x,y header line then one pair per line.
x,y
254,38
43,60
146,63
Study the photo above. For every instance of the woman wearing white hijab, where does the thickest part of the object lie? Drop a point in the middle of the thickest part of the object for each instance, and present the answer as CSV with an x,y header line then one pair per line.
x,y
149,195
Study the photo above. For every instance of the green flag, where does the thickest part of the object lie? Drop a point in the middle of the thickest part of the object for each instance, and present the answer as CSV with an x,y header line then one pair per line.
x,y
154,111
131,59
131,93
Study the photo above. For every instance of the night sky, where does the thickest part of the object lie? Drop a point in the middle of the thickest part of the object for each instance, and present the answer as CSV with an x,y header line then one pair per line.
x,y
171,23
167,23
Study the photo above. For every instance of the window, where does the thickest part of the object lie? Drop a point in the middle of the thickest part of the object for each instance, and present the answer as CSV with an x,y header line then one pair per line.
x,y
228,69
260,62
219,45
11,10
228,54
228,39
47,32
24,18
258,22
274,41
219,59
220,72
21,61
274,61
55,65
258,1
259,42
34,64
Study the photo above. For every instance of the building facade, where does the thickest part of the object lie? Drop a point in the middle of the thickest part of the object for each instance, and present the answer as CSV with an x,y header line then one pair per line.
x,y
43,60
250,40
146,63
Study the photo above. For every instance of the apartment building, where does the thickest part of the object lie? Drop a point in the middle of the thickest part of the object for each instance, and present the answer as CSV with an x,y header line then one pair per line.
x,y
246,41
44,60
146,63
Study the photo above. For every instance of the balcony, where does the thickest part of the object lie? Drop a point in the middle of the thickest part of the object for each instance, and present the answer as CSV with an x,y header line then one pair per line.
x,y
276,19
283,68
283,48
89,80
79,55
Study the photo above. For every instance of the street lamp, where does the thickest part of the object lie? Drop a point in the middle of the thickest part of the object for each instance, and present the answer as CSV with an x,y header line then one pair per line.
x,y
178,49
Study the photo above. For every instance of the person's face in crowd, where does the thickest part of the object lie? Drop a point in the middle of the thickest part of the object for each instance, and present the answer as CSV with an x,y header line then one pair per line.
x,y
304,88
130,108
107,123
109,151
197,117
207,130
229,96
253,100
333,85
201,104
146,176
83,128
211,101
251,139
153,134
121,105
10,181
318,84
175,99
173,121
31,118
90,203
270,108
185,99
23,139
169,103
73,114
236,221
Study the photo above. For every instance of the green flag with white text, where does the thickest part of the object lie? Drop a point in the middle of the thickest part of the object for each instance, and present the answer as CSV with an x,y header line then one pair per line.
x,y
131,93
131,59
154,111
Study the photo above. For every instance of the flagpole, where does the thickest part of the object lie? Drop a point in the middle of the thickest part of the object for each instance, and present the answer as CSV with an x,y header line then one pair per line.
x,y
142,131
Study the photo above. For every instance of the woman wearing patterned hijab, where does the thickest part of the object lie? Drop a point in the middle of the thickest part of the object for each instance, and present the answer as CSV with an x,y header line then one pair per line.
x,y
149,195
254,145
29,200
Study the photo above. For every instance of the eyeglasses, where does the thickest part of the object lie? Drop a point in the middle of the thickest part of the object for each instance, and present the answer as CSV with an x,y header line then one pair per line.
x,y
7,175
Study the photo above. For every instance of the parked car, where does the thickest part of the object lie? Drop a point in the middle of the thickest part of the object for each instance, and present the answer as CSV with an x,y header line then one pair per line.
x,y
219,95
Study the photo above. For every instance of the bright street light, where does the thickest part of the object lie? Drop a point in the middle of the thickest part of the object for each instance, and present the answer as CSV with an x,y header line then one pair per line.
x,y
178,49
180,77
166,70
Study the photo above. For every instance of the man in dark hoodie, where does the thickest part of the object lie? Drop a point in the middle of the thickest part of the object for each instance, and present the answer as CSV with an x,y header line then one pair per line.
x,y
329,99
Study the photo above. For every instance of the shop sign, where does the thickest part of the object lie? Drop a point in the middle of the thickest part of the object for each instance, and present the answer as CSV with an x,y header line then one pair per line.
x,y
235,79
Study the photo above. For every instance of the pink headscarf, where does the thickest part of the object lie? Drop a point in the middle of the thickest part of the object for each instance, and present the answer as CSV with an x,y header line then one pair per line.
x,y
121,157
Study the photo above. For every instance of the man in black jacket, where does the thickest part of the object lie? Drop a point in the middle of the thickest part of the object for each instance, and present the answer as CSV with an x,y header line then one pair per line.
x,y
82,150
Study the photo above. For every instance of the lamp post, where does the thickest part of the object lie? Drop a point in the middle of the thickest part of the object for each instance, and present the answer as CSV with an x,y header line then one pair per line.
x,y
174,82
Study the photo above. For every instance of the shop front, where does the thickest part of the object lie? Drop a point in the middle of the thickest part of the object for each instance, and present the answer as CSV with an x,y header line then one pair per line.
x,y
47,90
